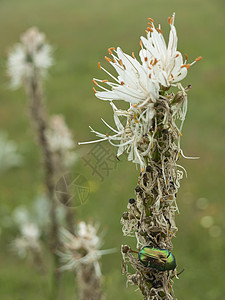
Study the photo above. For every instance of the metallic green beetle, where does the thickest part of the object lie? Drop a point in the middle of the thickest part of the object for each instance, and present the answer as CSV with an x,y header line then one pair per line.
x,y
156,258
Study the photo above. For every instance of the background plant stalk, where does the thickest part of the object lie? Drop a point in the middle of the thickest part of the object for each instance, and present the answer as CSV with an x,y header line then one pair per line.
x,y
89,283
39,118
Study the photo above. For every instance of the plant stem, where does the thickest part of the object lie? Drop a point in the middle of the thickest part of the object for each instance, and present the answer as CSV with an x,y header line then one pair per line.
x,y
38,116
89,283
151,218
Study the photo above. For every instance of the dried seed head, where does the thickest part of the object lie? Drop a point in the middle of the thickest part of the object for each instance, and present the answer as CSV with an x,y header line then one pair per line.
x,y
125,248
131,200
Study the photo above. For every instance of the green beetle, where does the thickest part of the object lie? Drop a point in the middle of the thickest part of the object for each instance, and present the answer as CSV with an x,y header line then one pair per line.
x,y
156,258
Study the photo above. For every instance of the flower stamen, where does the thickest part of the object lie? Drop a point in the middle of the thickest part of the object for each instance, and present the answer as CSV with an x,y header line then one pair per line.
x,y
110,50
151,20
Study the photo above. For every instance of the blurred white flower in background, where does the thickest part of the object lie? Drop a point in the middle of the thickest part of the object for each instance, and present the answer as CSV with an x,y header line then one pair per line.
x,y
81,248
32,55
31,222
61,142
30,231
9,156
36,213
28,241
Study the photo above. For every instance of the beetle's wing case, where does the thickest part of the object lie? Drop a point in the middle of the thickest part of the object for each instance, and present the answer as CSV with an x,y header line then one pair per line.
x,y
148,253
154,254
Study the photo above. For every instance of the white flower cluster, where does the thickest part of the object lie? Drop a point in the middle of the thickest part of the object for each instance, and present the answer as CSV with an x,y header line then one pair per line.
x,y
61,141
83,247
28,241
140,84
9,156
31,222
32,55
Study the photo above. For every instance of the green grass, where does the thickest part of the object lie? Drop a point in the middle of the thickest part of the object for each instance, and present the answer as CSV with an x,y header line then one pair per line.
x,y
81,32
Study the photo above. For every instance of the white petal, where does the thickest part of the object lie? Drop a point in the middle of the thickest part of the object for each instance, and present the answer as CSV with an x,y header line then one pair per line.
x,y
172,45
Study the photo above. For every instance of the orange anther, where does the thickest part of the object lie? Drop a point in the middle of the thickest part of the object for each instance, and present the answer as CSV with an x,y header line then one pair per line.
x,y
150,25
105,80
134,105
114,60
150,75
95,83
110,50
155,62
99,65
159,30
122,83
107,59
141,43
151,20
169,20
143,169
186,66
146,31
146,58
198,58
149,29
177,55
120,62
186,57
94,90
107,135
133,55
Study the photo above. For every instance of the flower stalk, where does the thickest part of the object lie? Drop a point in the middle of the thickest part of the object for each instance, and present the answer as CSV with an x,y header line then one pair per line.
x,y
151,217
38,117
89,283
149,131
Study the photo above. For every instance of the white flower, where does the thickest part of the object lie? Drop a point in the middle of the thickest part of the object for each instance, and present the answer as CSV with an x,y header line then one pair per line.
x,y
165,63
9,157
160,67
59,136
30,231
81,248
28,241
32,55
133,83
141,85
129,138
60,140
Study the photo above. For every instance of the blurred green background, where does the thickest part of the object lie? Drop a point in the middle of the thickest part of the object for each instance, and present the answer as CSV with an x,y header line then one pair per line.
x,y
81,32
